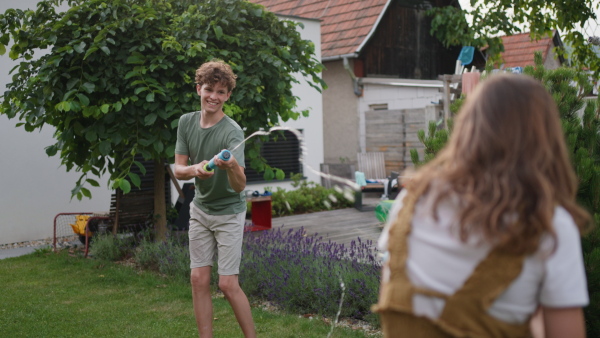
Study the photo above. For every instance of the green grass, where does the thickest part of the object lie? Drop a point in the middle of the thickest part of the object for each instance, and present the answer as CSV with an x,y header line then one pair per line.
x,y
64,295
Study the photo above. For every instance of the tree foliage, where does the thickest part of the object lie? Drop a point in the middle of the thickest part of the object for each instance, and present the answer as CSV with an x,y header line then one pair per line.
x,y
482,25
116,75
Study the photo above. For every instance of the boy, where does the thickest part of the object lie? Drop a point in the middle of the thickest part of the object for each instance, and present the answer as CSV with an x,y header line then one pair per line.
x,y
218,210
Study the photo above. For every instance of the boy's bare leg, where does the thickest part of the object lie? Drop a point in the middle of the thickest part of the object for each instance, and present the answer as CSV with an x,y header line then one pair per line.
x,y
239,303
200,280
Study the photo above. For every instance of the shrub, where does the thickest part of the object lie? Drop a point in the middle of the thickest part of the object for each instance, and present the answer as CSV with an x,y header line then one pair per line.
x,y
303,274
110,247
307,197
170,257
591,254
300,273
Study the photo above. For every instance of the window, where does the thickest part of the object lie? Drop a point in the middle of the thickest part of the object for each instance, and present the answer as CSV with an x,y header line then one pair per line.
x,y
381,106
282,151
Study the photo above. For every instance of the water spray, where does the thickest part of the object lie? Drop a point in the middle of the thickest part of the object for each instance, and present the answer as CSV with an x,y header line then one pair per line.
x,y
224,155
337,316
298,135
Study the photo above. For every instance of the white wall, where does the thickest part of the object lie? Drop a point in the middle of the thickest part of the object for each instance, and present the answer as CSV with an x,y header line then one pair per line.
x,y
341,120
312,126
311,99
34,187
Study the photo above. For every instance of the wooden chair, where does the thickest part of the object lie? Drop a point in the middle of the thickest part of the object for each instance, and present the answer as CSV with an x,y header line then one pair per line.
x,y
372,164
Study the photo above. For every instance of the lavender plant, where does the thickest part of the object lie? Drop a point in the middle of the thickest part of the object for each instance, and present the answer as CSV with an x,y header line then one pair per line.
x,y
170,257
110,247
299,272
302,273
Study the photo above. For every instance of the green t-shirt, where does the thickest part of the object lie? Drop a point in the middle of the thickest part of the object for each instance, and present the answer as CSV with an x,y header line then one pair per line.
x,y
214,196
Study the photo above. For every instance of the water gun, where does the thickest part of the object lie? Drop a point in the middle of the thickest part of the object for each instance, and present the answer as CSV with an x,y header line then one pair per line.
x,y
224,155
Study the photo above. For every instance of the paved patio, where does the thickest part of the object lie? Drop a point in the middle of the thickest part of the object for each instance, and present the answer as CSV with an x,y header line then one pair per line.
x,y
340,226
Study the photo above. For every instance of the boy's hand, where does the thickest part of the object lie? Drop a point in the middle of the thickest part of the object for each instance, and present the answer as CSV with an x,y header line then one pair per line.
x,y
226,165
200,172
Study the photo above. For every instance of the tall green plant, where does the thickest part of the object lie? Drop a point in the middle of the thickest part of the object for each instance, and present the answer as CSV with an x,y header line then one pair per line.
x,y
581,124
434,141
436,137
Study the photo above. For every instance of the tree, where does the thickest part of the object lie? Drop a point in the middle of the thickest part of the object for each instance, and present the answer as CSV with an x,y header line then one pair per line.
x,y
117,74
490,18
581,124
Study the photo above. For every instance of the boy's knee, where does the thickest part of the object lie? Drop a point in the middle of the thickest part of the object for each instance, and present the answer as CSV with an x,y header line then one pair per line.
x,y
228,285
199,278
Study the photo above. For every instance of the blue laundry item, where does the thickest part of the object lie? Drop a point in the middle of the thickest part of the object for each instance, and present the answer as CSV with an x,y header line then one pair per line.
x,y
516,70
267,193
359,176
466,55
371,181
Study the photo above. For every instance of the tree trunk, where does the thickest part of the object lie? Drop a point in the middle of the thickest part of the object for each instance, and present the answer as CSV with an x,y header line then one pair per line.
x,y
160,207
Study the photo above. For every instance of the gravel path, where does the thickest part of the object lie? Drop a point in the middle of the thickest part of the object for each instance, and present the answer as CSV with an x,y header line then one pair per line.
x,y
62,242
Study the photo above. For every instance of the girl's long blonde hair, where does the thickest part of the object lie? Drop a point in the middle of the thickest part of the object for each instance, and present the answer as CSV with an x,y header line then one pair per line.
x,y
508,164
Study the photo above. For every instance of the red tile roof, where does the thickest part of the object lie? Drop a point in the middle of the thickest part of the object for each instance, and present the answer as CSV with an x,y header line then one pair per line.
x,y
345,24
519,49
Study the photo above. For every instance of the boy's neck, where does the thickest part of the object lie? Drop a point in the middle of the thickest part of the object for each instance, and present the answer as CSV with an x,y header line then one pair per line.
x,y
208,120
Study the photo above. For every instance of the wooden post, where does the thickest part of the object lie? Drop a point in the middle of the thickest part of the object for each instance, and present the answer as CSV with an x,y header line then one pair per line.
x,y
176,183
447,80
118,193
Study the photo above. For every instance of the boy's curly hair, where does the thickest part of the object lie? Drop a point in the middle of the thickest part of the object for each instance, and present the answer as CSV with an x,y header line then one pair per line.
x,y
216,71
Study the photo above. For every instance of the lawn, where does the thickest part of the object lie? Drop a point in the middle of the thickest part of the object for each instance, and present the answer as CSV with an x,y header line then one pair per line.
x,y
65,295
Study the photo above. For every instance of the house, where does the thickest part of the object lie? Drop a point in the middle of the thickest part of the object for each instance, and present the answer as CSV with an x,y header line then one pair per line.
x,y
382,68
519,50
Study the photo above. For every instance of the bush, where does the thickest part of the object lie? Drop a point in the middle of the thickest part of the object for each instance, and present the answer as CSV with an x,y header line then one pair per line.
x,y
591,255
170,257
308,197
303,274
300,273
110,247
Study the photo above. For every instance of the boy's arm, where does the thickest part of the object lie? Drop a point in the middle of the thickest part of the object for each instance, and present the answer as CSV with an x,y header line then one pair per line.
x,y
235,173
184,172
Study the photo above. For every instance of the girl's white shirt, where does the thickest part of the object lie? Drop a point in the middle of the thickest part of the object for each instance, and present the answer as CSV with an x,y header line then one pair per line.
x,y
439,261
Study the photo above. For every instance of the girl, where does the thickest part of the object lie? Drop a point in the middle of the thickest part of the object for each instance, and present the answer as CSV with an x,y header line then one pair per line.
x,y
488,231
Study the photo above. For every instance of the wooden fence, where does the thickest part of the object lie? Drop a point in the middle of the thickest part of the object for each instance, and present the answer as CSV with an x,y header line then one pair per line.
x,y
394,132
